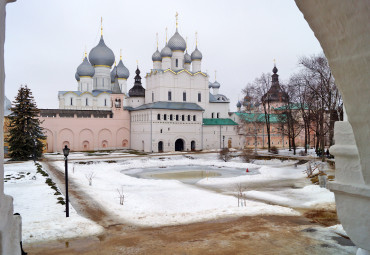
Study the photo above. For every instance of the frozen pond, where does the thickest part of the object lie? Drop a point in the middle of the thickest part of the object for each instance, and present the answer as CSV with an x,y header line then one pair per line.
x,y
188,174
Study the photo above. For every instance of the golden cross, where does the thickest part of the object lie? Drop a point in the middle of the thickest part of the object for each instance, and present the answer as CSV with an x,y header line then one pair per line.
x,y
215,74
101,26
274,61
137,62
120,54
166,34
196,38
177,19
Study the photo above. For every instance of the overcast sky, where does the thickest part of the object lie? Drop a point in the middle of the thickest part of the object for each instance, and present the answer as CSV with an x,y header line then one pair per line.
x,y
45,39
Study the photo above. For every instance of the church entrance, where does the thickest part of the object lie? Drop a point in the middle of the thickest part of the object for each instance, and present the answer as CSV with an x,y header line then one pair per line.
x,y
192,145
179,145
160,146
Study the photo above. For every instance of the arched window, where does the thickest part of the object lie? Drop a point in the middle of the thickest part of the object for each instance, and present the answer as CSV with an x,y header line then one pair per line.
x,y
171,117
71,101
183,117
188,117
169,96
152,96
195,118
213,115
87,101
218,115
105,102
158,116
184,96
199,97
177,117
165,117
177,62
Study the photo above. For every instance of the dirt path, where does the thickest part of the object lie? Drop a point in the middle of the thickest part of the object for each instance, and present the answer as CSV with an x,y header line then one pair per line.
x,y
84,204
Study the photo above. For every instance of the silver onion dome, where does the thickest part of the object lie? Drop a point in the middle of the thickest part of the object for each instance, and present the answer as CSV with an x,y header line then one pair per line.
x,y
187,58
196,54
238,104
77,77
216,85
85,69
113,74
122,71
157,56
176,42
166,51
210,85
101,55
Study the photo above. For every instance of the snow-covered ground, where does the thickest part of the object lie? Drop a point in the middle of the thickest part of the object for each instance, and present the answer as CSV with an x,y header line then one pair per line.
x,y
153,202
42,217
150,202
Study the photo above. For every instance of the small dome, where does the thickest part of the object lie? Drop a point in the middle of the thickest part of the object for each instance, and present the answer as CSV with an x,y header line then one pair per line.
x,y
85,69
122,71
157,56
77,77
216,85
176,42
187,58
101,55
275,70
113,74
238,104
166,51
210,85
196,54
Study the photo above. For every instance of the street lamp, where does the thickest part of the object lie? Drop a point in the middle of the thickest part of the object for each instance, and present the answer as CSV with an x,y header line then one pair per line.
x,y
223,142
66,153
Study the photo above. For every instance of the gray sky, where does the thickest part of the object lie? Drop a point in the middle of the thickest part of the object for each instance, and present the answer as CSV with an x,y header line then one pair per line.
x,y
45,39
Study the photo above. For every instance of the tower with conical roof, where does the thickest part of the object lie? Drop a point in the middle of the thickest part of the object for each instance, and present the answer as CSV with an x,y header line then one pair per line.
x,y
102,59
177,45
166,54
157,58
196,57
84,75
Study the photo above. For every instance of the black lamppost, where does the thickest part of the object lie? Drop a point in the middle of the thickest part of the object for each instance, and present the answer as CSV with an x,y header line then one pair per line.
x,y
66,153
223,142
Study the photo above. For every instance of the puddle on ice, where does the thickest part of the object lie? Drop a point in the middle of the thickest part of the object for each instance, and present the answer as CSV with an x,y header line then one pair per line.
x,y
188,174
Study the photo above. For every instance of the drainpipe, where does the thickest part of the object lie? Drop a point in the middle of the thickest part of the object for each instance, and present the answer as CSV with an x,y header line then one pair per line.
x,y
151,130
220,138
202,131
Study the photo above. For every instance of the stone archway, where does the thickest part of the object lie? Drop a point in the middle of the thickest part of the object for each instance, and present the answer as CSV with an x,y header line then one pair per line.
x,y
179,145
192,145
160,146
344,34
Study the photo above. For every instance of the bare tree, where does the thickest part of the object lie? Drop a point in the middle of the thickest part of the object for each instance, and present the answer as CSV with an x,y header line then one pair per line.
x,y
121,195
90,176
224,154
240,195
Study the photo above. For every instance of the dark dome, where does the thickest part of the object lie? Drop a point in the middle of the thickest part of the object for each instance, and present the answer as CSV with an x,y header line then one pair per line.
x,y
101,55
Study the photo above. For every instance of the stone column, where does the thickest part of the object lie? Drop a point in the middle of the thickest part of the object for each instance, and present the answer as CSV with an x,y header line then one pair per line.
x,y
10,225
343,30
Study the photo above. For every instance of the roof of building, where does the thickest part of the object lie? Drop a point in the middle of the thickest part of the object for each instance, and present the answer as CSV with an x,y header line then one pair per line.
x,y
177,42
101,55
219,98
211,122
79,93
137,90
169,106
260,117
296,106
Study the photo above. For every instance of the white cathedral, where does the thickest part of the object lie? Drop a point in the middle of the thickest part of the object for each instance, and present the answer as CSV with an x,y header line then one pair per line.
x,y
179,109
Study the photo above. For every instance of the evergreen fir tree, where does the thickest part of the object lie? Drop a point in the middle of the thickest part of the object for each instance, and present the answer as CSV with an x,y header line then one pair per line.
x,y
26,134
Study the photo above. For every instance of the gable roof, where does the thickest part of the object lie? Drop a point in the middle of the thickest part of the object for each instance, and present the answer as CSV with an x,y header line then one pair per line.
x,y
260,117
169,106
212,122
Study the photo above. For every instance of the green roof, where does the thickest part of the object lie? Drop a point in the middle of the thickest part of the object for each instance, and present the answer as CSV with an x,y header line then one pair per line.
x,y
291,106
210,122
260,117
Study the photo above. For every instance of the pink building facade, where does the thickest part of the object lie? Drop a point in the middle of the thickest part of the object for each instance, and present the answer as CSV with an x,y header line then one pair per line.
x,y
87,130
